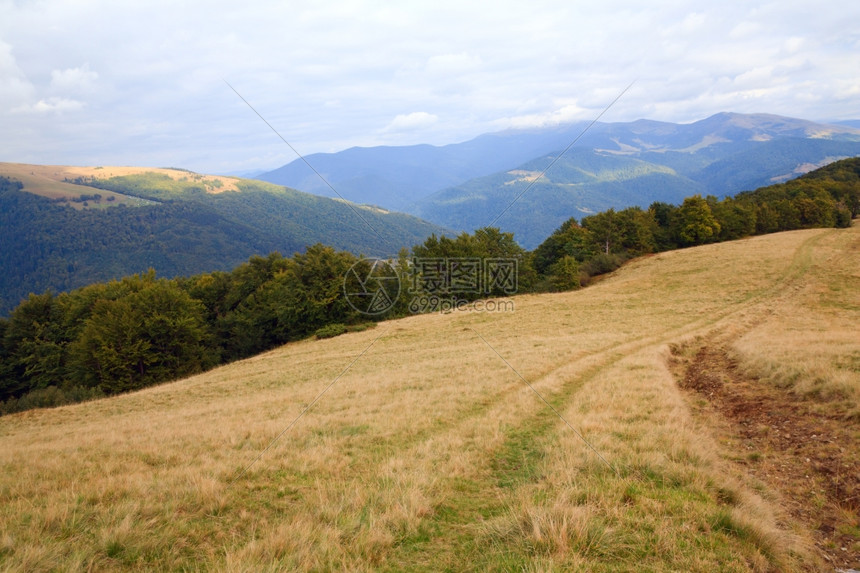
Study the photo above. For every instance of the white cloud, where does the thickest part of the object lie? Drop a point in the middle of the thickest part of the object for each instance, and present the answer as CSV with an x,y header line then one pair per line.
x,y
15,88
411,122
452,63
692,23
73,80
565,114
744,30
141,82
50,105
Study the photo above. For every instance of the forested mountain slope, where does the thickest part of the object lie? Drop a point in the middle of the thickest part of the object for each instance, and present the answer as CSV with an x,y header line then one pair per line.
x,y
77,228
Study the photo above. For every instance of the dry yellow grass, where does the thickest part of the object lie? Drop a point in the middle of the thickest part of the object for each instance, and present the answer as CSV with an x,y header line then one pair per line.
x,y
430,452
49,180
225,183
812,346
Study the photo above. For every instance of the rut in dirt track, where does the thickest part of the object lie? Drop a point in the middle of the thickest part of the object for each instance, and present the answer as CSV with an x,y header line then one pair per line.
x,y
810,456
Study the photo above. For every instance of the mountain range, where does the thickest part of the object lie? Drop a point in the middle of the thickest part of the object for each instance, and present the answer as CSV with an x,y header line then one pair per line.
x,y
64,227
483,181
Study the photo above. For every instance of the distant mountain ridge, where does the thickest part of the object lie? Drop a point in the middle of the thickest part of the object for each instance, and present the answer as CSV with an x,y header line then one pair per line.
x,y
396,177
849,123
655,161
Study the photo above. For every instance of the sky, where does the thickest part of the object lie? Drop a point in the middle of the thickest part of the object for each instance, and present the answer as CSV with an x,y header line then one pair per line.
x,y
101,82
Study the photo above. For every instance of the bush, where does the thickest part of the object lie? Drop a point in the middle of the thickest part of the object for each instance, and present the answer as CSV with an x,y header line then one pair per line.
x,y
50,397
331,330
602,264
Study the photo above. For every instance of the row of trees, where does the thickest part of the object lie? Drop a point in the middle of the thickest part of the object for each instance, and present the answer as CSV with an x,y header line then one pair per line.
x,y
828,197
141,330
126,334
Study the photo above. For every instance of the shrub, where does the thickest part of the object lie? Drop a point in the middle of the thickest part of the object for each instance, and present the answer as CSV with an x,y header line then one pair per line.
x,y
602,264
331,330
50,397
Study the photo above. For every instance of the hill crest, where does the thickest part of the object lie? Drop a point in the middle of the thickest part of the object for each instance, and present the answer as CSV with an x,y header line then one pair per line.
x,y
126,220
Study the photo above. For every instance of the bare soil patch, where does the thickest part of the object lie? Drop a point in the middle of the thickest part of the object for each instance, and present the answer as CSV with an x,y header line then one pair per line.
x,y
806,451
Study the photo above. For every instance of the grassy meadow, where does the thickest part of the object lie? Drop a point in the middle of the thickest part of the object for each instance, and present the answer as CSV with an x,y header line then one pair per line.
x,y
429,450
50,181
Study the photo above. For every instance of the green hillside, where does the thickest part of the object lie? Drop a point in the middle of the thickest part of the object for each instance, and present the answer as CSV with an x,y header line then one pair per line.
x,y
771,162
582,182
181,227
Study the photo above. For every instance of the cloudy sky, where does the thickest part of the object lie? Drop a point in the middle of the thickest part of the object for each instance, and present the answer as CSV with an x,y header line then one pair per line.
x,y
100,82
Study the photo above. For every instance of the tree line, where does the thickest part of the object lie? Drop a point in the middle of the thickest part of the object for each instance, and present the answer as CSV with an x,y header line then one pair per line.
x,y
126,334
576,251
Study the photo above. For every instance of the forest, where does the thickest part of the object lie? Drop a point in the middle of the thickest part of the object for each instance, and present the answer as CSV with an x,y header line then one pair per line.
x,y
179,229
126,334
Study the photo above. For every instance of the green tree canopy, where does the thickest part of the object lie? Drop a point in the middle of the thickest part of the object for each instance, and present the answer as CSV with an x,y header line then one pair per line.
x,y
698,224
154,334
